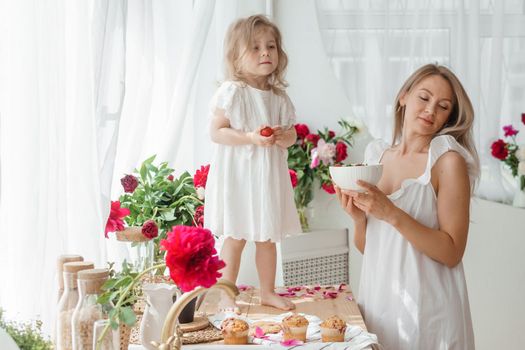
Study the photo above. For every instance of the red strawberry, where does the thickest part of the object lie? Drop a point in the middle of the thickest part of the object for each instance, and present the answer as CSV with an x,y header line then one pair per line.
x,y
267,132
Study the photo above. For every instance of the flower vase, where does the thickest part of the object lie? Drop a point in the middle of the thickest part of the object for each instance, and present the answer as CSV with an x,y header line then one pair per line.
x,y
303,219
159,299
141,248
519,199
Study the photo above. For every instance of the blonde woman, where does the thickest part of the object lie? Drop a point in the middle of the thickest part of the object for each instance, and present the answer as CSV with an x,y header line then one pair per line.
x,y
249,195
412,228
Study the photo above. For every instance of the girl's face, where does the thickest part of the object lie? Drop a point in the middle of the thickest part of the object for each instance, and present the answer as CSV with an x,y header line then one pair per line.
x,y
261,58
427,105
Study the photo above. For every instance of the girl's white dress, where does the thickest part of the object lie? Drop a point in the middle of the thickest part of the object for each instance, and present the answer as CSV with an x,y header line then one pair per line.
x,y
408,299
249,193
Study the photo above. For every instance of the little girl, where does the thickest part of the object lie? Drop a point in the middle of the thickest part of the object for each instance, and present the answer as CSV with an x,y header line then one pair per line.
x,y
249,195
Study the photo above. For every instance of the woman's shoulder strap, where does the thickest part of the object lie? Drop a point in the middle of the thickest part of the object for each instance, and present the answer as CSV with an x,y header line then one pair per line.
x,y
374,150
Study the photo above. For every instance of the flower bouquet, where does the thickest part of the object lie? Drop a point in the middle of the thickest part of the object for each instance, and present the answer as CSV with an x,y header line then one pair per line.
x,y
310,158
510,153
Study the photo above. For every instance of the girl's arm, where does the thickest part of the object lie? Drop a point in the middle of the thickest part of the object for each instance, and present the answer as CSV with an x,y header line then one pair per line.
x,y
446,244
358,216
221,132
284,138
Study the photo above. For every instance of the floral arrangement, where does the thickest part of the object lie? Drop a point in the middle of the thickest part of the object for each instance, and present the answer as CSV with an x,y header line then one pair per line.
x,y
155,200
311,156
510,153
191,259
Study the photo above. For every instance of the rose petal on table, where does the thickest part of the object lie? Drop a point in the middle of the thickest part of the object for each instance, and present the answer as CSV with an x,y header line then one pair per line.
x,y
350,297
244,287
259,333
330,295
291,342
317,288
342,286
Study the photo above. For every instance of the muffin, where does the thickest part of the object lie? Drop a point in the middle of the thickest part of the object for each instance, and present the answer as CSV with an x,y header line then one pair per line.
x,y
234,331
333,330
294,327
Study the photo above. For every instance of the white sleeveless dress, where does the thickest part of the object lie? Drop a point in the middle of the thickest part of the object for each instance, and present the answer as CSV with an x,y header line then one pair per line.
x,y
408,299
249,194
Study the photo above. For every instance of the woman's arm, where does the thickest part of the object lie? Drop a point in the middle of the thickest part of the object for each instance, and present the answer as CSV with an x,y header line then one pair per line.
x,y
221,132
446,244
358,216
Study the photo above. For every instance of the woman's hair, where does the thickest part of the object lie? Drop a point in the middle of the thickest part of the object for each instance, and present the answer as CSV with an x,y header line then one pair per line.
x,y
461,118
239,39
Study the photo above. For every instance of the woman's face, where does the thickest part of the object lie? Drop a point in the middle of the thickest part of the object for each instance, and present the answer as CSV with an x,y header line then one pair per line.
x,y
427,105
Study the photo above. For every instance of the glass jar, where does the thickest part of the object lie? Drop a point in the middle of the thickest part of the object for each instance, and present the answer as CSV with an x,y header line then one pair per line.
x,y
110,340
62,259
140,247
68,302
87,310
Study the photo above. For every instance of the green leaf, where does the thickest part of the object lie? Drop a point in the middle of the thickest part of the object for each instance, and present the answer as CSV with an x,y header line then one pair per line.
x,y
127,316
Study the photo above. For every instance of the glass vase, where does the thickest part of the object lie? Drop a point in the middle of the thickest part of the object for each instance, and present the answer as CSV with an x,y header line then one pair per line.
x,y
303,219
140,248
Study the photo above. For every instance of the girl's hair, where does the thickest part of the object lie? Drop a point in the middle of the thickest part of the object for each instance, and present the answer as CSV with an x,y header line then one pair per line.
x,y
460,121
239,39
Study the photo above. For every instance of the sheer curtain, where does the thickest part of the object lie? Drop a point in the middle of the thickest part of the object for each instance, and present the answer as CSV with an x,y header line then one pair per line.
x,y
374,45
87,90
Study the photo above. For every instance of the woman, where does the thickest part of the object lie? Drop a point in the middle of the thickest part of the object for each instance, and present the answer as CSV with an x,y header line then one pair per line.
x,y
412,228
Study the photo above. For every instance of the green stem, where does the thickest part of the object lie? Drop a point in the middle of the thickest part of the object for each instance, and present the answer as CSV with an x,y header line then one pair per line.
x,y
123,298
186,197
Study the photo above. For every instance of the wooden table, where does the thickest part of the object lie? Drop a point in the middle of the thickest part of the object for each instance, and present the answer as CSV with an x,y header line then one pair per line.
x,y
249,303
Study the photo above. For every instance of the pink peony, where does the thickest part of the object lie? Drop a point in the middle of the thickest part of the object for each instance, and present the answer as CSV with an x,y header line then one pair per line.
x,y
116,214
499,149
509,130
198,218
150,229
325,151
293,177
201,176
191,257
328,187
301,130
340,152
129,182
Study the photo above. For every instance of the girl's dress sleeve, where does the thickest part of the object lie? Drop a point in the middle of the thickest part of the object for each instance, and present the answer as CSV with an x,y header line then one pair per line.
x,y
225,98
287,112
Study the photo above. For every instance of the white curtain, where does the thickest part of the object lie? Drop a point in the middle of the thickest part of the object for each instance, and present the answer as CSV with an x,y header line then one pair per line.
x,y
373,46
88,89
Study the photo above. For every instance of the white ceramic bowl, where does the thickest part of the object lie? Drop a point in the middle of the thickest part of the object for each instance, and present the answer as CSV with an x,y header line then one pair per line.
x,y
345,177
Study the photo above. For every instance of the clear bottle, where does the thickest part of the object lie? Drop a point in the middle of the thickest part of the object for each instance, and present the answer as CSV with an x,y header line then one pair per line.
x,y
110,341
62,259
87,310
141,248
68,302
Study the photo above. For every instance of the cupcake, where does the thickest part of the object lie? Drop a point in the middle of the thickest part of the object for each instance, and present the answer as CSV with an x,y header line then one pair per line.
x,y
333,330
294,327
234,331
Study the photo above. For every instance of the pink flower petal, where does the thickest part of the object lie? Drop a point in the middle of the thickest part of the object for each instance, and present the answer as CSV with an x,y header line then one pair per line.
x,y
330,295
259,333
342,286
317,288
244,287
291,342
350,297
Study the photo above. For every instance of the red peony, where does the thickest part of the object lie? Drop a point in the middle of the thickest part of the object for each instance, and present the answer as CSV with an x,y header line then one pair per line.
x,y
191,257
198,218
293,177
116,214
340,152
150,229
331,134
499,149
509,130
313,138
170,177
328,187
201,176
129,182
301,130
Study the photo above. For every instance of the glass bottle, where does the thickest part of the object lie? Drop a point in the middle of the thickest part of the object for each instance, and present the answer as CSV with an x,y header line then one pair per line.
x,y
62,259
68,302
87,310
110,341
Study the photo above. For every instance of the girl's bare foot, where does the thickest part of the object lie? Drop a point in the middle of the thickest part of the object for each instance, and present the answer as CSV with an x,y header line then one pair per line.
x,y
227,304
272,299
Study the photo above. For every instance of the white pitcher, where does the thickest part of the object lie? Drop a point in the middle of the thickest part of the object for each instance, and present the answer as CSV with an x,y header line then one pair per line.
x,y
159,299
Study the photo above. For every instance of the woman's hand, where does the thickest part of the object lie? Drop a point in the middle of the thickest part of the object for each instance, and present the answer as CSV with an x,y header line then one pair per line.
x,y
259,140
348,205
373,202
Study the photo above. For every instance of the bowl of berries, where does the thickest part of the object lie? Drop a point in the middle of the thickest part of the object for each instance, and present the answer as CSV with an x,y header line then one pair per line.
x,y
346,176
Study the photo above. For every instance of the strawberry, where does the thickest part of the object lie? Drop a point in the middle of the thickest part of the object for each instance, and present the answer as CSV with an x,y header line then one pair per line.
x,y
267,132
